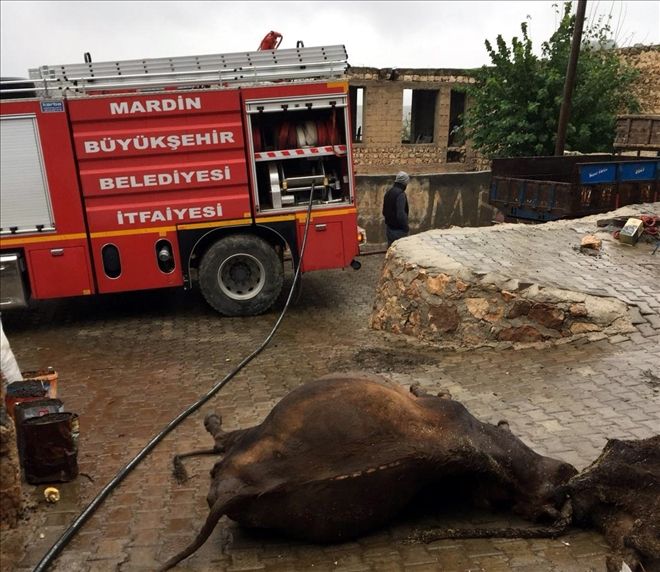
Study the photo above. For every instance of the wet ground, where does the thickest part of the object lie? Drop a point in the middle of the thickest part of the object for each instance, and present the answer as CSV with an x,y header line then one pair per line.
x,y
130,363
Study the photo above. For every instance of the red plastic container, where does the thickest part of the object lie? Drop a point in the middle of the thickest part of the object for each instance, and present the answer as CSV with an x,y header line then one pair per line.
x,y
47,376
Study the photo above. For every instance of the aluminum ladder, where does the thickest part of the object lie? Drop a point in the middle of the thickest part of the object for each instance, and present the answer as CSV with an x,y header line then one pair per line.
x,y
219,70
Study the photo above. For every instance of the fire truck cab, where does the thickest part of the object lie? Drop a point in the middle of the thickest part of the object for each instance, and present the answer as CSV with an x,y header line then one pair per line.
x,y
196,170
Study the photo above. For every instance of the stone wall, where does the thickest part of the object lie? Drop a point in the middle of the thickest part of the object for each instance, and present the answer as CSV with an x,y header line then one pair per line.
x,y
10,474
425,294
647,87
435,201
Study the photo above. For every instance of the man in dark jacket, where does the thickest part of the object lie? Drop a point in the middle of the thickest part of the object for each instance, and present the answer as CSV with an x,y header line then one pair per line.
x,y
395,209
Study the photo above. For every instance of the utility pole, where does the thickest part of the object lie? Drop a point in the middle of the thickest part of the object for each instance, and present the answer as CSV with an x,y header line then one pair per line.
x,y
569,83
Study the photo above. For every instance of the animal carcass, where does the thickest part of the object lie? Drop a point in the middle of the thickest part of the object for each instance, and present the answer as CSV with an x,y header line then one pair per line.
x,y
341,455
619,494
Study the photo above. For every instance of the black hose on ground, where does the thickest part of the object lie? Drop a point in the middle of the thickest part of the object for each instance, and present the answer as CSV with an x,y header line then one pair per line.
x,y
70,532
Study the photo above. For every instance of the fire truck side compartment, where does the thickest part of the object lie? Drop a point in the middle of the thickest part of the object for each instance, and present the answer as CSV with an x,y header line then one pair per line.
x,y
54,271
41,203
298,139
297,143
25,200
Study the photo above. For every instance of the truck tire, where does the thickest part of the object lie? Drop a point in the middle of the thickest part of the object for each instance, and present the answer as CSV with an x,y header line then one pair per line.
x,y
241,275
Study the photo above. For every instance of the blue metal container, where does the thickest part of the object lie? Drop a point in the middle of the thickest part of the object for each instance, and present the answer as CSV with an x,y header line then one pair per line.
x,y
596,173
642,171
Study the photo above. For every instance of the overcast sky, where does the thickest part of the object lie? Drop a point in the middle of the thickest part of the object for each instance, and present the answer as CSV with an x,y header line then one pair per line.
x,y
378,34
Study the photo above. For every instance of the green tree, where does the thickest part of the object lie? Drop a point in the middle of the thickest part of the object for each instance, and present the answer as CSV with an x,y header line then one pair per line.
x,y
515,103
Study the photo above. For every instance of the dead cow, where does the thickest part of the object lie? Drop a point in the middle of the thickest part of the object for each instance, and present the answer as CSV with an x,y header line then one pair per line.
x,y
343,454
619,494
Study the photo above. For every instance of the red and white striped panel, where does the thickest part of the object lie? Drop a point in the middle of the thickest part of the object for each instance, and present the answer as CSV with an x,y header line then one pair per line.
x,y
306,152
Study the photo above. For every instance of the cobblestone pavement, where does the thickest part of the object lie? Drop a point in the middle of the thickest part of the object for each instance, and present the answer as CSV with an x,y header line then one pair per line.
x,y
549,254
129,363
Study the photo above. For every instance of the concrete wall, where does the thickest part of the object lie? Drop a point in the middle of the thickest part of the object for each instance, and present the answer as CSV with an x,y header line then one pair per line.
x,y
436,201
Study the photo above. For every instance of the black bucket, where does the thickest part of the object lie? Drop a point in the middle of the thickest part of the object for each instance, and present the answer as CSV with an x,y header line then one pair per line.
x,y
50,448
29,409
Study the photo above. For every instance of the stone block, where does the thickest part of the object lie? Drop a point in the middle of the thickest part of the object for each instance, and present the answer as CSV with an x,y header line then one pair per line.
x,y
444,318
523,334
519,308
547,315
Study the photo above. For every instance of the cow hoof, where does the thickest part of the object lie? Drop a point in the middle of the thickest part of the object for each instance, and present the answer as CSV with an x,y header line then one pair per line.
x,y
504,424
213,424
418,391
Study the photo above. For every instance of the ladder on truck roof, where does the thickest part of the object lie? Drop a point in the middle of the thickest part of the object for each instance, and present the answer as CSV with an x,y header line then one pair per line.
x,y
220,70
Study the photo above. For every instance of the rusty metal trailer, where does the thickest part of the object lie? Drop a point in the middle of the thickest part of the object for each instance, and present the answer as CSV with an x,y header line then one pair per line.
x,y
549,188
639,133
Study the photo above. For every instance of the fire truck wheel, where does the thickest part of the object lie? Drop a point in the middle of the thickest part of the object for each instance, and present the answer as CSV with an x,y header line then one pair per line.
x,y
241,275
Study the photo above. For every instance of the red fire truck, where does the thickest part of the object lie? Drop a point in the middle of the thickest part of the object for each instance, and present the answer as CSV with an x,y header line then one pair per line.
x,y
140,174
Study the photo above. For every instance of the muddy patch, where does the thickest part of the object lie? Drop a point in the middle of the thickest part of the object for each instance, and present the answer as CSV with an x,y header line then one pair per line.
x,y
385,360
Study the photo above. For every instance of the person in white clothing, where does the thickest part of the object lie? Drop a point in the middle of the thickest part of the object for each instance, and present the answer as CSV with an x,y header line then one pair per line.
x,y
10,370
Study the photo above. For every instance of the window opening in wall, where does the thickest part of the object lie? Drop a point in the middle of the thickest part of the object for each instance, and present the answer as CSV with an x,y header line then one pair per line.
x,y
407,104
456,135
418,115
356,95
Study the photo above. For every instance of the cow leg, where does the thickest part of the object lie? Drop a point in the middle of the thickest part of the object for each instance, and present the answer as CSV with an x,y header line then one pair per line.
x,y
615,562
630,539
644,539
223,439
558,528
179,471
213,424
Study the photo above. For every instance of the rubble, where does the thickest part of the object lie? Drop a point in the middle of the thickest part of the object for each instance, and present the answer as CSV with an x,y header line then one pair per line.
x,y
591,242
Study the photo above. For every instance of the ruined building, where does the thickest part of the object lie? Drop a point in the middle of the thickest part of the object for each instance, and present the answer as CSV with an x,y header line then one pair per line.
x,y
410,119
